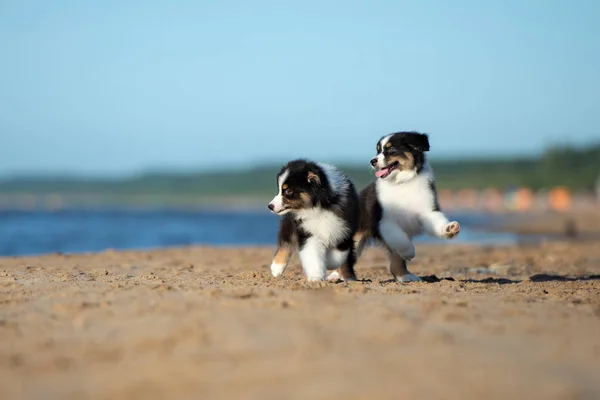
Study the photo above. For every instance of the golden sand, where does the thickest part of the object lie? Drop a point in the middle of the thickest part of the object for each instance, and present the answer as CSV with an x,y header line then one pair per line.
x,y
202,323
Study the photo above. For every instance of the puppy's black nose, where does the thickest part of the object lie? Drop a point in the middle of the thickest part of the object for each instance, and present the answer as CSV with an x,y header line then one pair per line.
x,y
373,161
271,207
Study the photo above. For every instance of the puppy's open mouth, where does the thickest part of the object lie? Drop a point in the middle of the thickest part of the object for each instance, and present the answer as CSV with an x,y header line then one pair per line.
x,y
384,172
282,211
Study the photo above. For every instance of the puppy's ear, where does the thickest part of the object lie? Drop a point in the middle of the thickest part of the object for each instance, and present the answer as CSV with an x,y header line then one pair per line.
x,y
418,141
313,178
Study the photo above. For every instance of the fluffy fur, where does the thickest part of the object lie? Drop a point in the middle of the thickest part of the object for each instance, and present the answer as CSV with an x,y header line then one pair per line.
x,y
320,215
402,202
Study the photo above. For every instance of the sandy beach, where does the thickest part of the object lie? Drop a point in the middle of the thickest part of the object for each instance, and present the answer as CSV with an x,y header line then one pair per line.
x,y
519,322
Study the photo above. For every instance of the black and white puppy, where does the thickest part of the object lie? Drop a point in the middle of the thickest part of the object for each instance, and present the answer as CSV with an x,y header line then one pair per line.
x,y
320,215
402,202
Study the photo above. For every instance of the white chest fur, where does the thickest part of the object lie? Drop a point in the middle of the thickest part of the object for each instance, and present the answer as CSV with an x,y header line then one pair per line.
x,y
324,225
406,203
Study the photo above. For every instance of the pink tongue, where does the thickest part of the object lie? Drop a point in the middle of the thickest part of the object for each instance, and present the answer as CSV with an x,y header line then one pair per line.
x,y
381,172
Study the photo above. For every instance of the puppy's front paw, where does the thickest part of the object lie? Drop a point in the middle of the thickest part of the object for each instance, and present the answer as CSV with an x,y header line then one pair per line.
x,y
408,278
315,278
277,269
334,276
451,230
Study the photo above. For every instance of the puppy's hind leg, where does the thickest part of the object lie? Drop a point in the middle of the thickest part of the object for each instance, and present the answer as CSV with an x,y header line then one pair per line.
x,y
342,259
399,270
359,240
347,269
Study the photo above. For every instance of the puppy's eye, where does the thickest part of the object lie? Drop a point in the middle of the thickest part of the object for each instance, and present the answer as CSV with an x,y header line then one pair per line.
x,y
391,150
288,192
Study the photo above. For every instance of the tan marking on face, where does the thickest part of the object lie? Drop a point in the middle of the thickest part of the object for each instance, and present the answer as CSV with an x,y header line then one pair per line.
x,y
302,201
406,161
282,255
284,186
388,145
306,199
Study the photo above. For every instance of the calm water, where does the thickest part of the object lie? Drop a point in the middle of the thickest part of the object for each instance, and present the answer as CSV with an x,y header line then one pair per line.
x,y
39,232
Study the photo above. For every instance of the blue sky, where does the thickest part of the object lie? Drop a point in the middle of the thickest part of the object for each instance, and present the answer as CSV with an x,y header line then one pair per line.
x,y
118,87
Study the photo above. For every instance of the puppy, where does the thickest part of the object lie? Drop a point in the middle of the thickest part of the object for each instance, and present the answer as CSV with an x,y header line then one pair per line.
x,y
402,202
320,215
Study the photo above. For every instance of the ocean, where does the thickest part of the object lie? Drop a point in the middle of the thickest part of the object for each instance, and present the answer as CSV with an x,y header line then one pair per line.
x,y
78,231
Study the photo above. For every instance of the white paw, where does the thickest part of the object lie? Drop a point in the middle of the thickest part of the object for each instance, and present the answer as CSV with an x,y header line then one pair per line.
x,y
409,278
334,276
315,278
451,230
277,269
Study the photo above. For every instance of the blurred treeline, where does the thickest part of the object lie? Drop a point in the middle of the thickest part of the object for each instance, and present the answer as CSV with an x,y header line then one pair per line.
x,y
575,168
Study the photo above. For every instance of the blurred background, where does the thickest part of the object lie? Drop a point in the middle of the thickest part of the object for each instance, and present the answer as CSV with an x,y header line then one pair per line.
x,y
144,124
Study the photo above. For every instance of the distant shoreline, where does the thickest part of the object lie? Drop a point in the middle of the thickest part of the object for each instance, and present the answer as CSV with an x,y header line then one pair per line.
x,y
569,224
538,222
